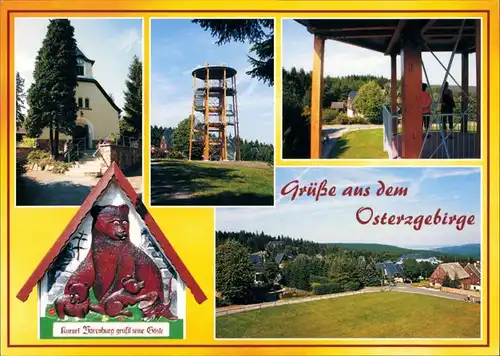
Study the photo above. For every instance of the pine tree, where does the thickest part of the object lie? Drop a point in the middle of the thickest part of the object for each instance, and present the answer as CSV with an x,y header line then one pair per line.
x,y
51,97
20,98
131,125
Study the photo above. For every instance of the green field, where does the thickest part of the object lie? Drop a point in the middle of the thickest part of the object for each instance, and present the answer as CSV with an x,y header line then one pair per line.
x,y
176,182
373,315
360,144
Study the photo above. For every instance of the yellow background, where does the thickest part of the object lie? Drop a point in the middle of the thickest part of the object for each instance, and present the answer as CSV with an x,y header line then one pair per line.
x,y
190,230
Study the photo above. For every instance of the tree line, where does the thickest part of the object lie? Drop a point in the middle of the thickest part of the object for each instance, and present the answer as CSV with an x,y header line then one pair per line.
x,y
307,266
178,141
51,97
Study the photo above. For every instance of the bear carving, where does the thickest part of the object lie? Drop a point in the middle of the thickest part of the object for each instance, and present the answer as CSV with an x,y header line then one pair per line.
x,y
117,302
67,304
113,258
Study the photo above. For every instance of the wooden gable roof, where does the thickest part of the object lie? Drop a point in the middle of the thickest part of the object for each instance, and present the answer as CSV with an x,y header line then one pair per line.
x,y
113,173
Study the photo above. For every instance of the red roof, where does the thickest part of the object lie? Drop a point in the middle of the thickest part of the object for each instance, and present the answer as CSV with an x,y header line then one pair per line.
x,y
113,172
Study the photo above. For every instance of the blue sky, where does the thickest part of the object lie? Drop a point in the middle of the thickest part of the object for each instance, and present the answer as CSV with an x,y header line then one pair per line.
x,y
111,43
344,59
179,46
333,219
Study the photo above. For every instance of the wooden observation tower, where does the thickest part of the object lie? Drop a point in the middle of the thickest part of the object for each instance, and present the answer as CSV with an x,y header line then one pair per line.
x,y
215,114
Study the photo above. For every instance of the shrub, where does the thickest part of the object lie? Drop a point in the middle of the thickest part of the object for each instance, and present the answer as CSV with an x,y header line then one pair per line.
x,y
343,119
221,302
176,155
357,120
352,286
329,115
114,138
318,279
27,142
158,154
39,156
327,288
61,167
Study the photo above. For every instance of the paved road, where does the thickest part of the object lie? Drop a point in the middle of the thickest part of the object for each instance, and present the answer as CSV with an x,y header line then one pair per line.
x,y
47,188
401,288
428,291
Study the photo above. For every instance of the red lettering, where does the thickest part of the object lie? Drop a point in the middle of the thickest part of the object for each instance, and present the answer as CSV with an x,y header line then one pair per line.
x,y
361,211
291,187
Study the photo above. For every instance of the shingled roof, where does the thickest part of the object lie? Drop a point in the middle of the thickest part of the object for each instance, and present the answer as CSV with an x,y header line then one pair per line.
x,y
455,271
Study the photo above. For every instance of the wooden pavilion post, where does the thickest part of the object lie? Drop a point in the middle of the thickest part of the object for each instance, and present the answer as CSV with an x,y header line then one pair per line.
x,y
478,87
394,92
411,88
465,91
316,95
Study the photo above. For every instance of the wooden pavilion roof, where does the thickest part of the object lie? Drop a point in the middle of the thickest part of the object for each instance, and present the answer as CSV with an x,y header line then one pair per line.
x,y
386,35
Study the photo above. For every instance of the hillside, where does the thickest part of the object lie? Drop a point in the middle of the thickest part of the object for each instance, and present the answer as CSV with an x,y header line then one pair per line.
x,y
473,250
372,247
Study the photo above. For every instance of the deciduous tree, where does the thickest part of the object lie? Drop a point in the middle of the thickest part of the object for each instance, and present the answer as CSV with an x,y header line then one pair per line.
x,y
234,272
369,101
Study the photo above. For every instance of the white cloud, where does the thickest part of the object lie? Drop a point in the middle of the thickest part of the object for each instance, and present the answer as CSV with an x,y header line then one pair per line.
x,y
332,219
345,59
106,41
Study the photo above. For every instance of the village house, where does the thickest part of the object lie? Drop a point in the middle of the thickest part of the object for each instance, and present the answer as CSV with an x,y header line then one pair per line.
x,y
454,271
351,110
474,270
97,116
258,259
391,270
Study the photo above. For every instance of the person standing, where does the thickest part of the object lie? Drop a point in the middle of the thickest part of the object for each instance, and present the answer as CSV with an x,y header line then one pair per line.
x,y
426,108
447,106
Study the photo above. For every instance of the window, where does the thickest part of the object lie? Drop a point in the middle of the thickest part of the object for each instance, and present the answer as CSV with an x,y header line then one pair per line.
x,y
79,66
80,103
87,103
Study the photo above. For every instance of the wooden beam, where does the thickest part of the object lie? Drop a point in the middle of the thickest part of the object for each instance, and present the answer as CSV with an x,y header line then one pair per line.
x,y
373,28
465,91
316,95
396,36
411,91
427,26
394,92
478,87
334,37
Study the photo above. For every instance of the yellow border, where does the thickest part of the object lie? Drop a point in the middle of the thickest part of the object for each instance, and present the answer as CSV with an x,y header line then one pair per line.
x,y
197,229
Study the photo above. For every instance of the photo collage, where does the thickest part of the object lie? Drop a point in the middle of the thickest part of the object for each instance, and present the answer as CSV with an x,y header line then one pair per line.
x,y
290,179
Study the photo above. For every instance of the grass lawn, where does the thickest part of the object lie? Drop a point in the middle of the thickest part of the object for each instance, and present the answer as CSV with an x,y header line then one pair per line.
x,y
360,144
176,182
372,315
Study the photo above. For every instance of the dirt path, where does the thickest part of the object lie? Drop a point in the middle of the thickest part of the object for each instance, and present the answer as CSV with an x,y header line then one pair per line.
x,y
46,188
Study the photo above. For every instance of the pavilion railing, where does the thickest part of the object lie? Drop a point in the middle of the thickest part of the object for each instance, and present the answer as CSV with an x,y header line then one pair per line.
x,y
458,143
438,142
389,142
